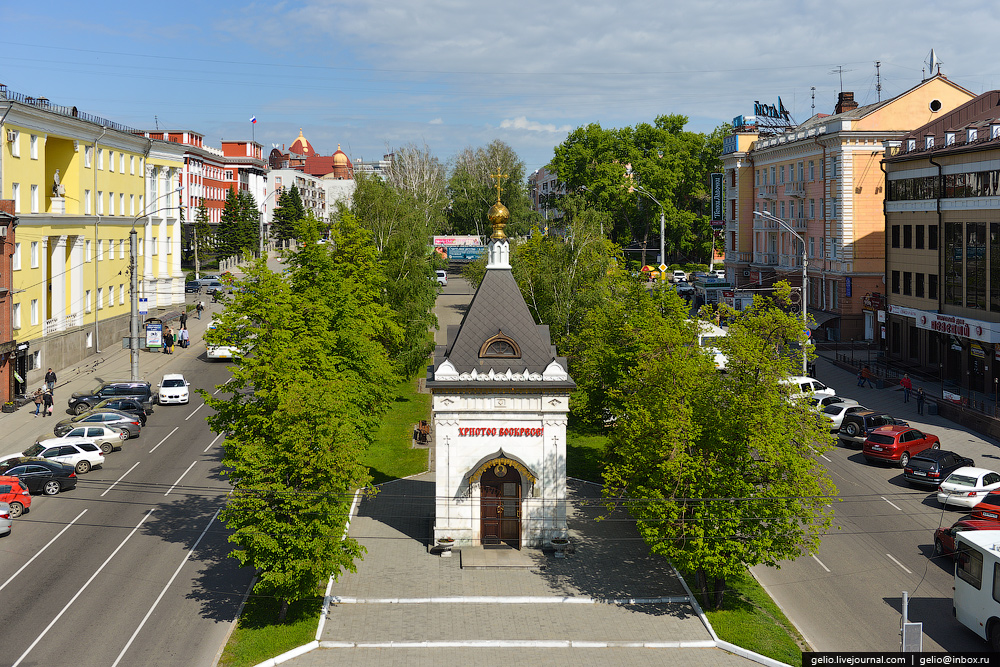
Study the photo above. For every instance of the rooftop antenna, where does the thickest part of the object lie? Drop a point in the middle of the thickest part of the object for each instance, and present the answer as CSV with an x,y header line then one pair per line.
x,y
156,120
933,62
840,70
878,80
813,89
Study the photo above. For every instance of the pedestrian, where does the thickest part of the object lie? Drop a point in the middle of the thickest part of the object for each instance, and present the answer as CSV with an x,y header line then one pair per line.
x,y
38,401
184,337
920,401
907,385
47,400
168,342
184,319
866,376
200,307
50,380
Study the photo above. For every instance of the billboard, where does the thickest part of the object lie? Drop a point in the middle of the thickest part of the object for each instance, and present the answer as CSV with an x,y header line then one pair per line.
x,y
448,241
467,253
717,196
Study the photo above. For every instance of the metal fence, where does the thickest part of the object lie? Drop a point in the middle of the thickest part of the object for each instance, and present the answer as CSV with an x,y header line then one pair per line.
x,y
73,112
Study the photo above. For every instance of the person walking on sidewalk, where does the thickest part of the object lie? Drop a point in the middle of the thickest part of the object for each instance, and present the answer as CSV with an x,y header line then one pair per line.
x,y
47,399
37,398
183,337
920,401
50,380
907,384
200,307
865,376
168,342
184,319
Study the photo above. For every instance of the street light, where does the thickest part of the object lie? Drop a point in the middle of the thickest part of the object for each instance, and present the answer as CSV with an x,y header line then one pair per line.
x,y
133,246
663,256
805,279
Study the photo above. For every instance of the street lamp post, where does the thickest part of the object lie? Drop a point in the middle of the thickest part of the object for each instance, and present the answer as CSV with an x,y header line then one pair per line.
x,y
805,279
663,256
133,245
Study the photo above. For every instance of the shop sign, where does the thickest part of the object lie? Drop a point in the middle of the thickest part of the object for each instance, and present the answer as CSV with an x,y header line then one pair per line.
x,y
881,316
21,347
849,286
905,312
958,326
977,350
777,111
872,302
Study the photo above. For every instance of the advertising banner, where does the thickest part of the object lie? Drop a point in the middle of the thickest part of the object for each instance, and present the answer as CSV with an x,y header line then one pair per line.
x,y
465,253
457,240
717,197
154,334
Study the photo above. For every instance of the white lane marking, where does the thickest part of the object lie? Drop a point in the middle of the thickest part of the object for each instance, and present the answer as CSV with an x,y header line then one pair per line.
x,y
212,443
160,596
216,391
891,503
179,479
899,564
820,562
195,410
164,439
826,459
82,589
120,478
513,599
4,585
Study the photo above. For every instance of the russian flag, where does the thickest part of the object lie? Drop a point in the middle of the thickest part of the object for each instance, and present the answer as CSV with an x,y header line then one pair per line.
x,y
253,119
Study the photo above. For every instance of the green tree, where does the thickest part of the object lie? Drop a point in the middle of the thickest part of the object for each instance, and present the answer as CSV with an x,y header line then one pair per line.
x,y
287,215
299,412
249,222
202,239
720,470
228,231
472,189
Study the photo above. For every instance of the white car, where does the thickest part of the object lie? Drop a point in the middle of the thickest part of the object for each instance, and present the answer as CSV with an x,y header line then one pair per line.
x,y
835,412
802,385
174,389
81,453
105,437
5,520
442,278
678,276
717,273
966,487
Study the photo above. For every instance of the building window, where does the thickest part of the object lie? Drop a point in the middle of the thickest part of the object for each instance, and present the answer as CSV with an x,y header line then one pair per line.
x,y
781,174
111,203
100,202
932,286
131,204
812,171
121,203
87,250
34,198
121,162
975,269
34,312
928,142
152,247
895,282
111,161
88,156
170,248
100,158
86,202
920,237
15,316
907,236
932,237
100,250
111,296
756,177
34,254
973,135
34,147
801,172
15,193
773,182
782,208
139,249
907,283
131,165
920,286
87,300
15,145
121,249
995,266
812,246
90,339
121,293
954,250
834,295
833,247
100,298
16,259
895,236
911,145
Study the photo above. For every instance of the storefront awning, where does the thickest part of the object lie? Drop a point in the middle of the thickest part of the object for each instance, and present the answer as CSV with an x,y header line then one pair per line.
x,y
821,318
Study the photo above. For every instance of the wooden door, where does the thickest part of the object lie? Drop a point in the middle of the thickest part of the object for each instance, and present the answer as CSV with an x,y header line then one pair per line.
x,y
490,511
510,514
500,506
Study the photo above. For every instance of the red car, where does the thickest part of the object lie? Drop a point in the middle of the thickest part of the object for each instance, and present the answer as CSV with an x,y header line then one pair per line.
x,y
896,444
15,494
944,538
988,508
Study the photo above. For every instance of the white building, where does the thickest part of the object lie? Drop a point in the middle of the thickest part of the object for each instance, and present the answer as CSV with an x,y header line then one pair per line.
x,y
501,401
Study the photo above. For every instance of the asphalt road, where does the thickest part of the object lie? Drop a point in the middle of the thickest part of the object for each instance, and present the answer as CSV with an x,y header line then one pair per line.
x,y
130,567
847,595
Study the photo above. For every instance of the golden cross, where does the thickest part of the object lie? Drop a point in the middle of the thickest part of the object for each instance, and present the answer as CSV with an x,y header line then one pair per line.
x,y
498,176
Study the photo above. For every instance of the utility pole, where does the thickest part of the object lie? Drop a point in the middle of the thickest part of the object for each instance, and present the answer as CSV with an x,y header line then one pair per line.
x,y
133,342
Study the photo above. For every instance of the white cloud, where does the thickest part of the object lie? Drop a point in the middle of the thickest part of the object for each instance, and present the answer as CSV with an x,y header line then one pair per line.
x,y
522,123
437,121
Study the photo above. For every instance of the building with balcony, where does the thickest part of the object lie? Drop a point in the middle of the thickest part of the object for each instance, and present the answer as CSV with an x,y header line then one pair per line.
x,y
312,191
942,248
823,178
78,184
544,189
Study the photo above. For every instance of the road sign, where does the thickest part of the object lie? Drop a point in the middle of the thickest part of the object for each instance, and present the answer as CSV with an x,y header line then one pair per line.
x,y
662,267
809,333
143,306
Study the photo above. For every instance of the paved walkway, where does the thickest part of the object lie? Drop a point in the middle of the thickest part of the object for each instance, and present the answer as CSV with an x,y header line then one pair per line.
x,y
602,604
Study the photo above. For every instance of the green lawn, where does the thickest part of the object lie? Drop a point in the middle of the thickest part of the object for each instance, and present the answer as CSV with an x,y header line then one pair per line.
x,y
391,455
258,637
584,452
750,618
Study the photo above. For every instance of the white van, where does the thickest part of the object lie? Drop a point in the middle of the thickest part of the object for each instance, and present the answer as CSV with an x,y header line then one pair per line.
x,y
678,276
805,386
977,583
708,336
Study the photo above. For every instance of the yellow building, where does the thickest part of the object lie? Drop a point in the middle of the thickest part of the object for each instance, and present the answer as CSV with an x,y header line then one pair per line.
x,y
822,178
79,184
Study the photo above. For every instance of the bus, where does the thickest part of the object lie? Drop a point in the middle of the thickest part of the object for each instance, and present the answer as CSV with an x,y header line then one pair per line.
x,y
977,583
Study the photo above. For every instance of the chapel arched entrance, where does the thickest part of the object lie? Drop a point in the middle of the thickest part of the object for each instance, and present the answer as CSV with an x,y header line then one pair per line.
x,y
500,506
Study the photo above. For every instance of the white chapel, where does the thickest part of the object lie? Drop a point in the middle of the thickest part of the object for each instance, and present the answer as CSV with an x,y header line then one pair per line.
x,y
500,405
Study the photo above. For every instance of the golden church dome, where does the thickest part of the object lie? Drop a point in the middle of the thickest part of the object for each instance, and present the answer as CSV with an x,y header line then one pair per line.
x,y
301,146
340,157
498,215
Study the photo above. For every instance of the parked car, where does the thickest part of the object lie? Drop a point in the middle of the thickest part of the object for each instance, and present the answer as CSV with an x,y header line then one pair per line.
x,y
968,487
80,453
192,287
678,276
896,444
82,401
105,437
173,388
989,507
820,402
6,525
40,475
717,273
801,385
442,277
684,289
856,426
932,466
944,538
128,406
15,494
836,412
699,276
120,420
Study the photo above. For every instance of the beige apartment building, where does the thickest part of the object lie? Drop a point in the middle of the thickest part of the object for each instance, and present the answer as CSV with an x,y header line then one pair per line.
x,y
823,179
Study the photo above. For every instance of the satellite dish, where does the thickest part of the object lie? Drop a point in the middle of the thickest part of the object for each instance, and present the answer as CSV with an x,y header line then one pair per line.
x,y
933,62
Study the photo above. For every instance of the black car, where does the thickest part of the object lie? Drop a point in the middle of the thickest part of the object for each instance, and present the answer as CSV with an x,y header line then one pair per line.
x,y
126,405
932,466
122,421
82,401
40,475
192,287
857,426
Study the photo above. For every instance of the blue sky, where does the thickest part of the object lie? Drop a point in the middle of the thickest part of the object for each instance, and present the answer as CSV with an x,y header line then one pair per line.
x,y
453,73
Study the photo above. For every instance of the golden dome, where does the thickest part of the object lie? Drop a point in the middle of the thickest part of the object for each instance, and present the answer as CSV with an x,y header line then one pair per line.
x,y
498,215
301,145
340,157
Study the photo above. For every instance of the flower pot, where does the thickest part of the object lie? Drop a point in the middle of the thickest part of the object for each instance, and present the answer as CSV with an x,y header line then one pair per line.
x,y
9,407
